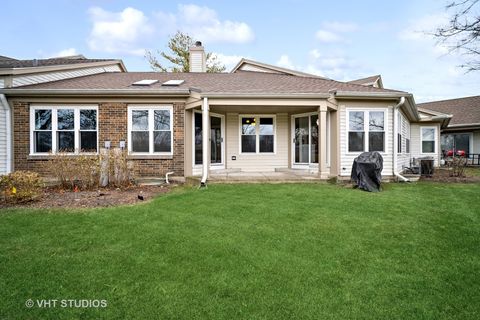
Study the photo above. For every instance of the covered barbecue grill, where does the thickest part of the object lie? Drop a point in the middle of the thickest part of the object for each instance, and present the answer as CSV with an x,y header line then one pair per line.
x,y
367,171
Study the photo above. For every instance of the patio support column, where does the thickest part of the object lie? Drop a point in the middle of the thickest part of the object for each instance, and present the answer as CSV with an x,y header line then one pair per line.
x,y
205,140
323,171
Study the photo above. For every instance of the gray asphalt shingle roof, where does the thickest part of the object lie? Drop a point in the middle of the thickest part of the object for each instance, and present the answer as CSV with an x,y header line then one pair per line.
x,y
464,110
8,63
242,82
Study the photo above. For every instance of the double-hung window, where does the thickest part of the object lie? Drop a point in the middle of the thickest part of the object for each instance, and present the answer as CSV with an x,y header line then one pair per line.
x,y
366,131
71,129
150,130
428,135
257,134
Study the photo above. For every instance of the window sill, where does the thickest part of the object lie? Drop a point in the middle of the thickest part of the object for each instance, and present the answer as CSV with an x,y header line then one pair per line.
x,y
357,153
51,156
149,156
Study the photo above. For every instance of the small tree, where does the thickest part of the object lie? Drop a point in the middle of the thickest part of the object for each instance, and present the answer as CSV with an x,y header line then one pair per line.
x,y
463,32
179,46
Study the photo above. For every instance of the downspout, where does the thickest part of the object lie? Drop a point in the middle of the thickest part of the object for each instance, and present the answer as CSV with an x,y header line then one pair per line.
x,y
395,139
205,138
5,106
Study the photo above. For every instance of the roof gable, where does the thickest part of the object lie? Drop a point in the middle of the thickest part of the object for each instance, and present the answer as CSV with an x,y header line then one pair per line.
x,y
255,66
373,81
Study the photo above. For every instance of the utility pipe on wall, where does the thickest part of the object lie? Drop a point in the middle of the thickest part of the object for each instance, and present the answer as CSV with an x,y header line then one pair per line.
x,y
205,140
6,106
395,139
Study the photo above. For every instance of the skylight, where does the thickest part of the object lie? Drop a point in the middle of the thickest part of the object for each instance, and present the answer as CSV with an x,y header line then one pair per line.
x,y
173,83
145,82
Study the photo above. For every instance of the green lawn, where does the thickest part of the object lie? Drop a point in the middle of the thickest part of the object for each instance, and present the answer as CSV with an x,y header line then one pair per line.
x,y
311,251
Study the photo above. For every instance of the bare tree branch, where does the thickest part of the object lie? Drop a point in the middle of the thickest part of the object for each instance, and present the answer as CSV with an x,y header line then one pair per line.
x,y
462,34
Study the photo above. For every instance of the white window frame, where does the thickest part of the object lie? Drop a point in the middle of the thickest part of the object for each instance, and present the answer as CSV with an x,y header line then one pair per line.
x,y
151,127
435,139
366,129
54,109
257,133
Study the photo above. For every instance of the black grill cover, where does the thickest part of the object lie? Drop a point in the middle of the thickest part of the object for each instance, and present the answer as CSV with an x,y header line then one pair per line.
x,y
367,171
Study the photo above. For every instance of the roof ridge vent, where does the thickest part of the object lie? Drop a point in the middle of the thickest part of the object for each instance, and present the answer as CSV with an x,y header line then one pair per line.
x,y
173,83
145,82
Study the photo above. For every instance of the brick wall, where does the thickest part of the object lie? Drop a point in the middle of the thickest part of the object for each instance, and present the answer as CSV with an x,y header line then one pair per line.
x,y
112,124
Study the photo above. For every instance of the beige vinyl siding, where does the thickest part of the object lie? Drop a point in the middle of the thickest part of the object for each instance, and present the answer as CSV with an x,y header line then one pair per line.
x,y
197,62
346,158
249,67
3,142
256,162
60,75
403,158
476,142
416,142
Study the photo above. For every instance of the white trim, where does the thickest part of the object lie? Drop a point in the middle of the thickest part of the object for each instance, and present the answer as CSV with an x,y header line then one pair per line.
x,y
257,133
213,166
150,108
366,120
54,108
329,151
434,141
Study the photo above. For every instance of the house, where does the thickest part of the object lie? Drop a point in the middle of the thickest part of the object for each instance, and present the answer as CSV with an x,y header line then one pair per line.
x,y
463,131
18,73
260,118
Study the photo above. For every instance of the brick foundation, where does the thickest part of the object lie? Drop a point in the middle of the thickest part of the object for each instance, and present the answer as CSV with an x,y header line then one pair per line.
x,y
112,125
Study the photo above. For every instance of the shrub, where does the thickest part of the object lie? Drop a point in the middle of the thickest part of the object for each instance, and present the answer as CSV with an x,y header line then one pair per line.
x,y
80,171
459,165
21,186
87,172
115,170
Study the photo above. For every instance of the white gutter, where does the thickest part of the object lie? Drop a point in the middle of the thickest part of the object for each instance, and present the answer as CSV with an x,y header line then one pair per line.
x,y
93,92
5,106
395,139
205,138
374,94
265,95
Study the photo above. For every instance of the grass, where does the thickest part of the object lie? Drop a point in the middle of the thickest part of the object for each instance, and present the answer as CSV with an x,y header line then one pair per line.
x,y
296,251
472,171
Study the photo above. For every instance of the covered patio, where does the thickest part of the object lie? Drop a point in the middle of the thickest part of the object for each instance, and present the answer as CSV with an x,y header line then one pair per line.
x,y
260,138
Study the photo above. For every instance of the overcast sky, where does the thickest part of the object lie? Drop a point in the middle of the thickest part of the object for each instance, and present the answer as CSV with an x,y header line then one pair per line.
x,y
342,40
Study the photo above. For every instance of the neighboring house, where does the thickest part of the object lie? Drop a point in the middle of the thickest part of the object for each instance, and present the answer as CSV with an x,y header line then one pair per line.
x,y
18,73
463,131
258,121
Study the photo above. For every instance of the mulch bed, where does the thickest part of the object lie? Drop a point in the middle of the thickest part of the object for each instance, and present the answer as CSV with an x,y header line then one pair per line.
x,y
57,198
444,175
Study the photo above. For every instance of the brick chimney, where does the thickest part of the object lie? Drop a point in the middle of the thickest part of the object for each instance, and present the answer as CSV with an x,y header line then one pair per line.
x,y
197,58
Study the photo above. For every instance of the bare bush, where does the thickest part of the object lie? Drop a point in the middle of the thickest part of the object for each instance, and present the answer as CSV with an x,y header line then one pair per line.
x,y
20,186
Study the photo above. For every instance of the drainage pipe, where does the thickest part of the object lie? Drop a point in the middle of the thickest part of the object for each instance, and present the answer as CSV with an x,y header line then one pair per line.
x,y
166,177
395,139
205,138
8,127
